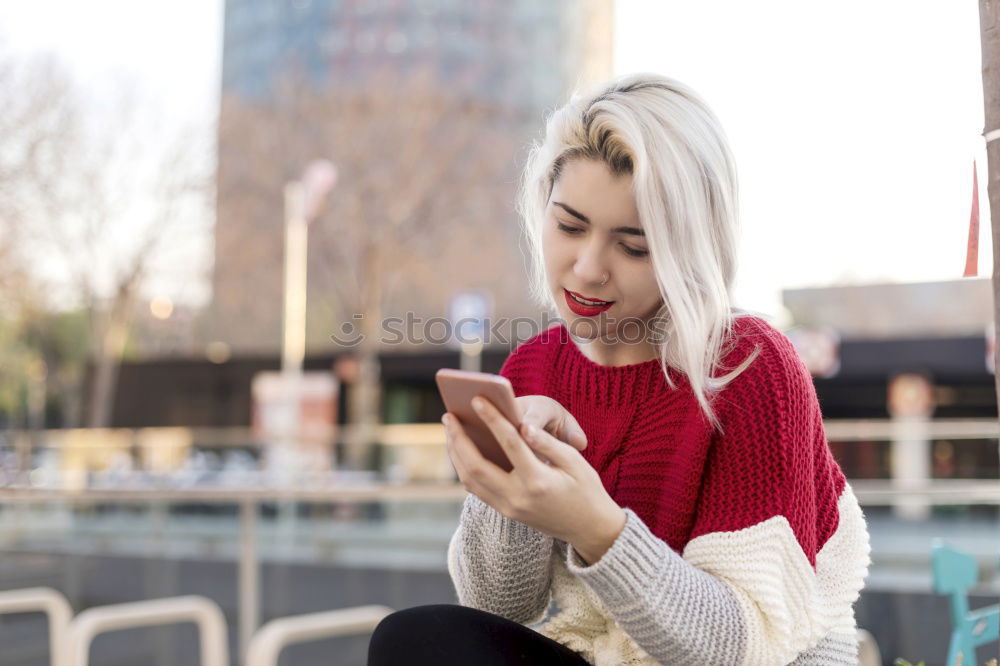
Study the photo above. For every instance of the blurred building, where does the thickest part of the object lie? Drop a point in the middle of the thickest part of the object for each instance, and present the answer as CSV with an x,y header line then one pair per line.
x,y
932,309
915,353
535,51
862,335
161,328
939,330
289,66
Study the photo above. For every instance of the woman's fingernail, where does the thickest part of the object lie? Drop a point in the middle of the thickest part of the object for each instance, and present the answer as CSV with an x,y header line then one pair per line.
x,y
477,404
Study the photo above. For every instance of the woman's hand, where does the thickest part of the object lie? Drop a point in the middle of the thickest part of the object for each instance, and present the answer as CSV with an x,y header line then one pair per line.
x,y
564,499
547,414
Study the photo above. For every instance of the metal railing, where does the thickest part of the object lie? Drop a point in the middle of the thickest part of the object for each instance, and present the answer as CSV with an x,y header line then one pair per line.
x,y
267,643
941,492
852,430
70,639
204,612
881,492
248,501
56,609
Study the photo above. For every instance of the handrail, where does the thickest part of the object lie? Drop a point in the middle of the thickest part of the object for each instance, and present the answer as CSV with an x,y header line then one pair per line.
x,y
370,492
940,492
428,433
55,607
202,611
868,491
267,643
846,430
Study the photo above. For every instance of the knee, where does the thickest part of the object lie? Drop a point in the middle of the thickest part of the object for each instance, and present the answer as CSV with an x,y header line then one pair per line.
x,y
408,624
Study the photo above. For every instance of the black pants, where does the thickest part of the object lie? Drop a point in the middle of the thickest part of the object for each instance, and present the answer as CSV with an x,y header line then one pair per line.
x,y
446,634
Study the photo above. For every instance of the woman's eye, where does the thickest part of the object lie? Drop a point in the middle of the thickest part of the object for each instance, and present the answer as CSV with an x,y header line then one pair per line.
x,y
632,252
573,231
568,229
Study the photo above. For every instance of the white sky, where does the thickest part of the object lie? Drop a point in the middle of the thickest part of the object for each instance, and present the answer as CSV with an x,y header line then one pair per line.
x,y
854,123
172,51
175,47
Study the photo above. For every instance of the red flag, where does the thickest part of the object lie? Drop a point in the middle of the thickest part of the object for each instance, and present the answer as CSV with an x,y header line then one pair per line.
x,y
972,255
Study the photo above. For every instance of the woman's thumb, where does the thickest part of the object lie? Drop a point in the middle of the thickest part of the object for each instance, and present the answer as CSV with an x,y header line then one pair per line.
x,y
573,434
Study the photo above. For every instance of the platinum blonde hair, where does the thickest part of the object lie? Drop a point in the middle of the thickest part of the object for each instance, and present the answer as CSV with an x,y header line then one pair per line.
x,y
664,135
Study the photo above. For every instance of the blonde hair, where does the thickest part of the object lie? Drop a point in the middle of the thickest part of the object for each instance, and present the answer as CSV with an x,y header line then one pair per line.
x,y
663,134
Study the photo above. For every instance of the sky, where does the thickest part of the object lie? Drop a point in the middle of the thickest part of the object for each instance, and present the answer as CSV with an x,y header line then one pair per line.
x,y
173,48
854,124
171,53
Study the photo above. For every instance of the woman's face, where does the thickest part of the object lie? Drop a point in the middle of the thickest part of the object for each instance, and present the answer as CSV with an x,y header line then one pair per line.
x,y
592,233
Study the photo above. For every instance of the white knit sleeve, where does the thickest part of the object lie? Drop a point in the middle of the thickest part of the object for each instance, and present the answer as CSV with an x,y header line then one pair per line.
x,y
748,598
500,565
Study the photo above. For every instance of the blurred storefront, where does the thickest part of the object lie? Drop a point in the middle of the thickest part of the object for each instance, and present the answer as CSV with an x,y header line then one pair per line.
x,y
948,349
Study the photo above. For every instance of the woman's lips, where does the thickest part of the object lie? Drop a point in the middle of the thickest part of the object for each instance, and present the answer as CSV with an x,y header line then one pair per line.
x,y
581,309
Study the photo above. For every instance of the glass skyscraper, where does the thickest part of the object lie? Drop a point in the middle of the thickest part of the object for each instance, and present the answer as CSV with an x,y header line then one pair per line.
x,y
509,61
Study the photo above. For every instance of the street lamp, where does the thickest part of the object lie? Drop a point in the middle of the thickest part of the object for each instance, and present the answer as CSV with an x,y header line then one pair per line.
x,y
303,202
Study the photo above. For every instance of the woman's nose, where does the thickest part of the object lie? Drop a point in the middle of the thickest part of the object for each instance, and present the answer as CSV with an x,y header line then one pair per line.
x,y
590,265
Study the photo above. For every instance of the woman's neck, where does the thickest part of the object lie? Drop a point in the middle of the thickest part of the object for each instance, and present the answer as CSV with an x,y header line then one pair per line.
x,y
618,353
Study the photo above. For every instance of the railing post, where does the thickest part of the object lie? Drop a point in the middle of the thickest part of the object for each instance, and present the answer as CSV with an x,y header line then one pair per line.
x,y
55,607
204,612
267,643
249,575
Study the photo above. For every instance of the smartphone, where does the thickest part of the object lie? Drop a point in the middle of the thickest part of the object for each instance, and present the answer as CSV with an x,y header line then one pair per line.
x,y
459,387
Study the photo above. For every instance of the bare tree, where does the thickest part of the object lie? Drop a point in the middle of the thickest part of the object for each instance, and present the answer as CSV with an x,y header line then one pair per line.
x,y
96,194
36,120
122,211
421,161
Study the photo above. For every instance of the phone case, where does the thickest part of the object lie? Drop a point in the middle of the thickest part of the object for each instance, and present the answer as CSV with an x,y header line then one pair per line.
x,y
459,387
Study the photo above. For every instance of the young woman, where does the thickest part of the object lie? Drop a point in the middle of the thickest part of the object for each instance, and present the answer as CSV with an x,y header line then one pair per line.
x,y
673,492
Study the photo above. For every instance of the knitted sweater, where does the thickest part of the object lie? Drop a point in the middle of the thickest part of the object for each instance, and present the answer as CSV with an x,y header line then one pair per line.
x,y
742,548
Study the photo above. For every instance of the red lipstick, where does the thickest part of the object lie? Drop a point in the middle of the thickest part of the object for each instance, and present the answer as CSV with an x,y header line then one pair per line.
x,y
583,309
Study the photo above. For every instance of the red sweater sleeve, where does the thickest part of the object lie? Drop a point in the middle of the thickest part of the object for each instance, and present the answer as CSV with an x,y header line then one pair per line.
x,y
776,520
772,458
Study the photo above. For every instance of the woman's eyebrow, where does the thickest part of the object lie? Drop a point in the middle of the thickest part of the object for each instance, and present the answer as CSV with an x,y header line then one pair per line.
x,y
632,231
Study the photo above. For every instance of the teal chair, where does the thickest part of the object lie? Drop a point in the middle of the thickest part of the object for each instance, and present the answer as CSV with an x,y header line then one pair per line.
x,y
954,572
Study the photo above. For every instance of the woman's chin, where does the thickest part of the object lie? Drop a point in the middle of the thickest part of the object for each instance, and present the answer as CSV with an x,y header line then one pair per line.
x,y
586,328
